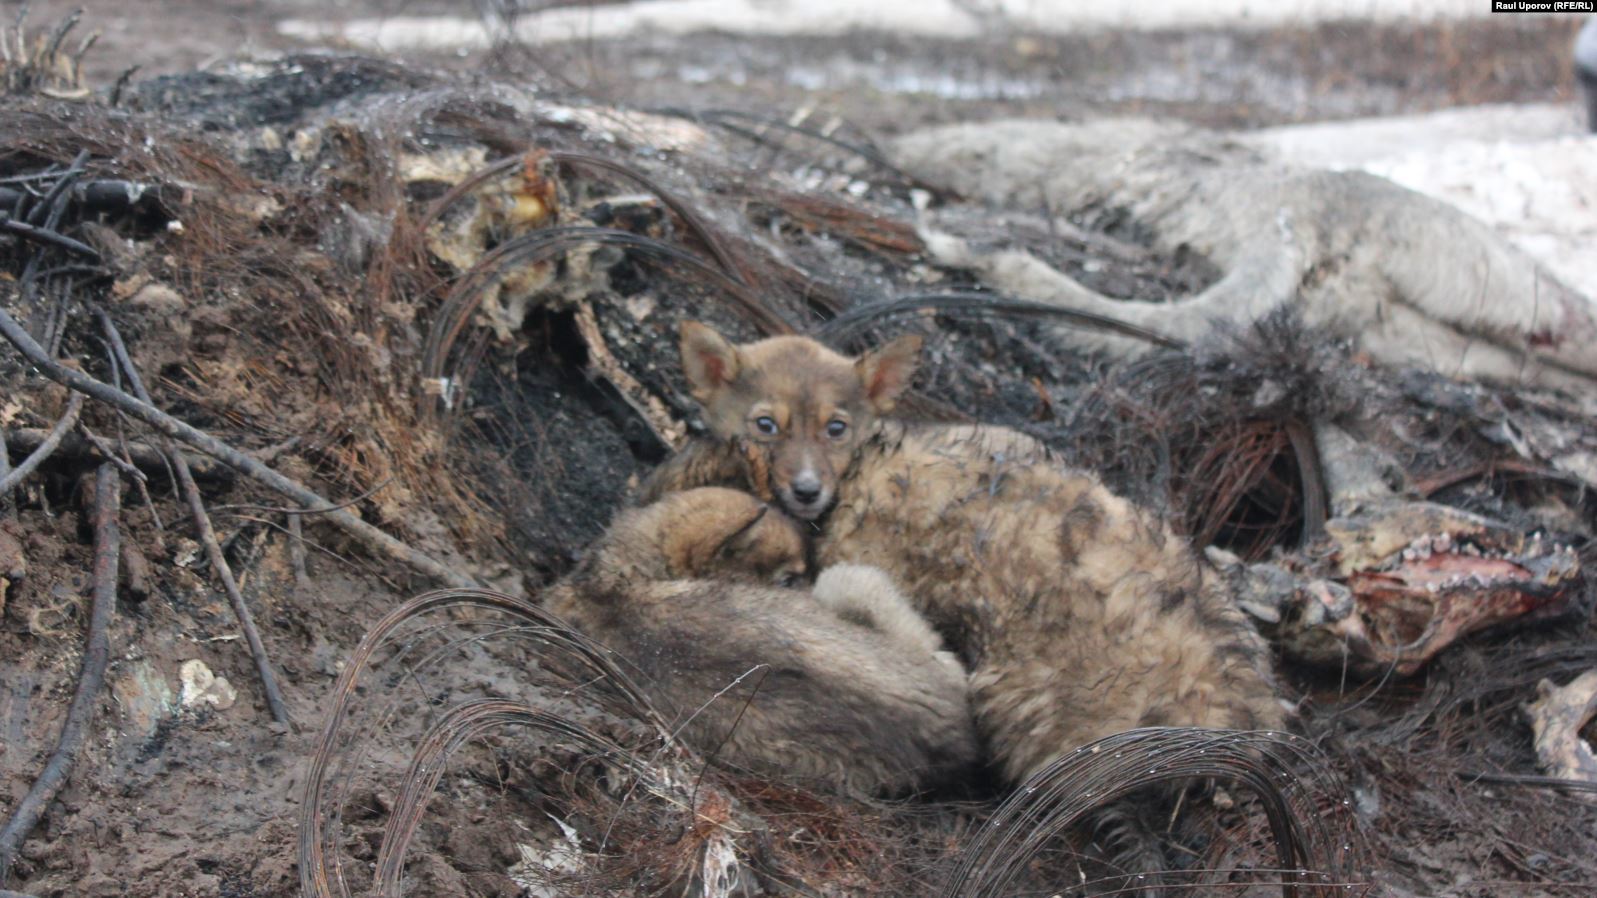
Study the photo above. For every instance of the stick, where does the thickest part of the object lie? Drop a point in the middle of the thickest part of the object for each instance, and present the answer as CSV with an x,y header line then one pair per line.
x,y
144,456
246,620
60,34
44,212
40,235
46,446
105,451
296,552
5,474
213,550
302,511
91,679
372,537
141,482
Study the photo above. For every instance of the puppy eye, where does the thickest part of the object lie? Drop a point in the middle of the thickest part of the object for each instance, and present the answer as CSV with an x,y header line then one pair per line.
x,y
790,580
836,428
766,424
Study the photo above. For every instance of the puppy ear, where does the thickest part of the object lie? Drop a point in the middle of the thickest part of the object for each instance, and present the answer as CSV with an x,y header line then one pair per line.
x,y
708,359
709,527
738,538
886,371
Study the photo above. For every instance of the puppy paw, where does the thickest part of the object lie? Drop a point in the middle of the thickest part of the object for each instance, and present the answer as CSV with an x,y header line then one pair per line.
x,y
852,587
867,596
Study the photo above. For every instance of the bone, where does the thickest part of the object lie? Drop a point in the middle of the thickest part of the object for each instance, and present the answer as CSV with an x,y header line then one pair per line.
x,y
1556,718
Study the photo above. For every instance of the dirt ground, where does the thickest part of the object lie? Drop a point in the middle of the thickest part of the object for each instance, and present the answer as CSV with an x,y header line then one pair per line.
x,y
178,795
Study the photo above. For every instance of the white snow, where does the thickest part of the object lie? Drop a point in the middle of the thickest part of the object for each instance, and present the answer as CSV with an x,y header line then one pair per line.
x,y
1528,171
936,18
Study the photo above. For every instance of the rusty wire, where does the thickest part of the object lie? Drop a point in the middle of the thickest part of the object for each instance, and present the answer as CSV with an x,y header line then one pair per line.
x,y
1319,852
456,727
648,828
855,321
747,125
1218,435
321,867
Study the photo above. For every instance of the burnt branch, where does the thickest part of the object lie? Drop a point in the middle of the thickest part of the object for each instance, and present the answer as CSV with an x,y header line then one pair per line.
x,y
46,236
296,552
371,536
5,474
46,447
144,456
91,678
246,620
213,550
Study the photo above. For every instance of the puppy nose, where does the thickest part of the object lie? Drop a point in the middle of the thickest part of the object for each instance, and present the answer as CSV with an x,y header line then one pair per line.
x,y
806,490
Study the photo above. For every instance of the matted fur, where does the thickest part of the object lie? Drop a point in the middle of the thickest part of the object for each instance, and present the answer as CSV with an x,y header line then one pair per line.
x,y
816,699
1079,614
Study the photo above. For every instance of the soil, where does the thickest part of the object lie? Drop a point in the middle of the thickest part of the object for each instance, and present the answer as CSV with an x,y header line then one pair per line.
x,y
170,798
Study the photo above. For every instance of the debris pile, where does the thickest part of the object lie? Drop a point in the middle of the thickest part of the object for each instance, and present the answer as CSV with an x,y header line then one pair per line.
x,y
345,329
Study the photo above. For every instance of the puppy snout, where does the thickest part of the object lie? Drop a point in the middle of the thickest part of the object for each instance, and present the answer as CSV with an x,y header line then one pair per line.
x,y
807,489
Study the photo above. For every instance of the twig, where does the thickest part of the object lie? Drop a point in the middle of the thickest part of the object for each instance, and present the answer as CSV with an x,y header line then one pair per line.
x,y
1430,486
16,26
78,54
269,454
300,511
45,212
213,550
108,454
40,235
144,456
764,671
296,552
46,447
1526,779
5,474
246,620
371,536
60,34
91,679
122,81
122,441
60,310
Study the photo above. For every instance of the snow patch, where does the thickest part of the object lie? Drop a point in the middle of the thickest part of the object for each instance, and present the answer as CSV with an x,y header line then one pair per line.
x,y
933,18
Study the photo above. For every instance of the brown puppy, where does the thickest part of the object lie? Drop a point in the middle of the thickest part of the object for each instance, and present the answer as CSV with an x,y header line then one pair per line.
x,y
1079,614
680,589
